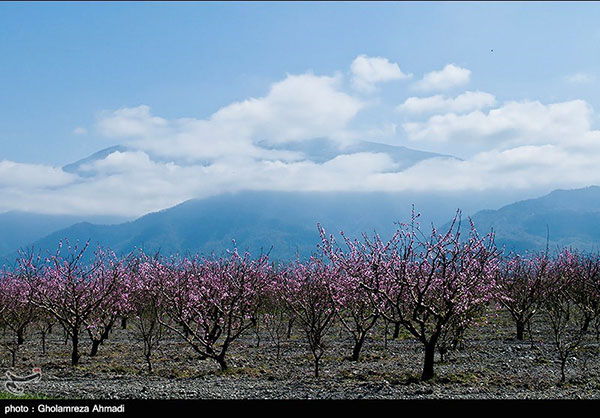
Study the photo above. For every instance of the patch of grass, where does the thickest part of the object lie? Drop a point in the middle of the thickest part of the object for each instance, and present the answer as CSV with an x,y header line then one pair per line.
x,y
515,382
374,376
362,376
243,371
403,335
543,361
180,373
4,395
463,378
406,379
112,367
373,356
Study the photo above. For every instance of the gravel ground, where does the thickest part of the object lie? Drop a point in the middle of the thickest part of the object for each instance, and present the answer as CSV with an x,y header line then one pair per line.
x,y
492,365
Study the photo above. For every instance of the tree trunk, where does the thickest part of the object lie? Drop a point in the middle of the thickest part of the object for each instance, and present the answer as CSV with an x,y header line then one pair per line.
x,y
563,363
21,335
222,363
357,347
396,330
107,331
442,352
586,323
428,365
123,323
289,328
520,330
385,335
149,363
75,352
257,333
95,345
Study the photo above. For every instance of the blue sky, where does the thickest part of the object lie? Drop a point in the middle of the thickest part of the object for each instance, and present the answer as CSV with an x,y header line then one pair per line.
x,y
66,68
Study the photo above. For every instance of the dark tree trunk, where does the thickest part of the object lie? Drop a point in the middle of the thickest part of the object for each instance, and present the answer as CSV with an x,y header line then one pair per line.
x,y
396,330
95,345
520,330
21,335
149,363
222,363
257,333
107,331
442,353
385,335
428,365
563,363
123,323
75,352
586,323
97,342
289,328
357,347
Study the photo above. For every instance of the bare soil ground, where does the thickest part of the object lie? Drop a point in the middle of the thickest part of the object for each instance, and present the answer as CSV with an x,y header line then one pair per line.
x,y
491,365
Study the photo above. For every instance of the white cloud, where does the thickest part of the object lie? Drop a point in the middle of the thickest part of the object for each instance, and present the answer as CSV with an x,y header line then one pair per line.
x,y
512,146
580,78
300,107
119,162
19,175
131,122
137,185
465,102
368,71
514,123
450,76
525,168
80,130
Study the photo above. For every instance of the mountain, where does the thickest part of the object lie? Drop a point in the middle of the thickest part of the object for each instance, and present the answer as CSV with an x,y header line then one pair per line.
x,y
284,223
317,150
19,229
287,221
566,217
257,220
82,167
321,150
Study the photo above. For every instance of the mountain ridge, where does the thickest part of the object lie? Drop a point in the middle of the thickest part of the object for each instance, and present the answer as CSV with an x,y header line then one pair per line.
x,y
569,217
286,222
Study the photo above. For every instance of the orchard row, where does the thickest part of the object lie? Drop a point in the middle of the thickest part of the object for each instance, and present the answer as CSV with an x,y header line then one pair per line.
x,y
436,285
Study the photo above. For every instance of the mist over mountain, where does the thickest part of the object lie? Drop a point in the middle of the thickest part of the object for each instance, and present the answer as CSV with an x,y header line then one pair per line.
x,y
20,229
562,218
285,223
257,221
83,167
320,150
